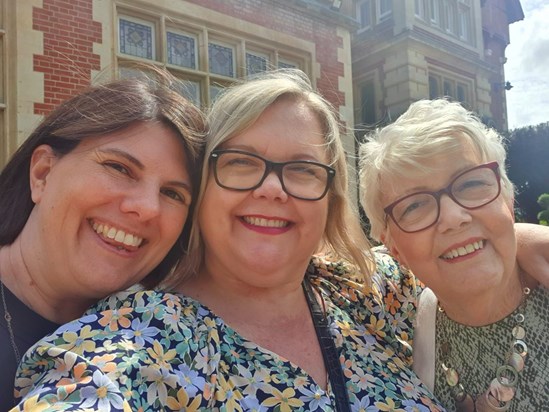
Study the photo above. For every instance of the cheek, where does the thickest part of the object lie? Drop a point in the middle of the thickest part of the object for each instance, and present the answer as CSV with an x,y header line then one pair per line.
x,y
410,249
318,216
211,208
173,223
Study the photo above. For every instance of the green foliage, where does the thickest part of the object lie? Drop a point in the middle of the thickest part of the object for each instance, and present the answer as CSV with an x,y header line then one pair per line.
x,y
543,201
528,167
543,216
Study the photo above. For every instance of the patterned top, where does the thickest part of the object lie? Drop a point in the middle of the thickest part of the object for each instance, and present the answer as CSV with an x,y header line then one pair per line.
x,y
477,352
160,351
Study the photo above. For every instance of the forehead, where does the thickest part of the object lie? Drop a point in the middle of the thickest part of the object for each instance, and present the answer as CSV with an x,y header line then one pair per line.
x,y
287,129
153,144
432,173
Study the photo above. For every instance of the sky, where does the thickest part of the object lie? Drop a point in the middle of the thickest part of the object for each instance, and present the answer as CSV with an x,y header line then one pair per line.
x,y
527,66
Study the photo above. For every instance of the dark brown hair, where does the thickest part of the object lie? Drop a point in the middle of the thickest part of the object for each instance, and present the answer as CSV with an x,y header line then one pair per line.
x,y
153,96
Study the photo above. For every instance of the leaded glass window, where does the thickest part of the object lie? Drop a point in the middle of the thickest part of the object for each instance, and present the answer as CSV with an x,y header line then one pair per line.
x,y
191,90
136,39
255,63
283,64
221,59
181,50
215,89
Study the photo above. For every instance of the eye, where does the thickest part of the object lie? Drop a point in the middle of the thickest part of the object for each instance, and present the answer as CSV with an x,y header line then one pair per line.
x,y
472,183
118,167
304,171
243,161
176,195
413,207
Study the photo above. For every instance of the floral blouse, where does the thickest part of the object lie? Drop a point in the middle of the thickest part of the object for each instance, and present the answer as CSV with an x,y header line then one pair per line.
x,y
151,351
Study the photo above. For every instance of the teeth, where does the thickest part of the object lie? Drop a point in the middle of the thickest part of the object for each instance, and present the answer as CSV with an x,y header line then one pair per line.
x,y
111,233
258,221
463,250
117,235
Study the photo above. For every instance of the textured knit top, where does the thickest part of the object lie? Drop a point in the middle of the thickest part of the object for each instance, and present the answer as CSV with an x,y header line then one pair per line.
x,y
477,352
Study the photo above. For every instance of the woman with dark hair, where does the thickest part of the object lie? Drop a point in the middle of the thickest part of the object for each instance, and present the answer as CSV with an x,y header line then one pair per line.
x,y
94,201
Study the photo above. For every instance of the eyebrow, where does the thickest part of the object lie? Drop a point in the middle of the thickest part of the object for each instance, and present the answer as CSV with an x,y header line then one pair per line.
x,y
141,166
125,155
295,157
424,188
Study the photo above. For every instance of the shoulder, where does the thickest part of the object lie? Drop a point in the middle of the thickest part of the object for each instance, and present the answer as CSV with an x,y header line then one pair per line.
x,y
392,278
131,297
399,291
115,340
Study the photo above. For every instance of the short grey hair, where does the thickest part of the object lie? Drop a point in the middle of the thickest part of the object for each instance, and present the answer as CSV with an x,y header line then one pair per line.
x,y
429,128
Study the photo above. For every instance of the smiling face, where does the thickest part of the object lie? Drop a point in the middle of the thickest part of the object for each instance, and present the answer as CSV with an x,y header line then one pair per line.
x,y
109,211
256,233
466,252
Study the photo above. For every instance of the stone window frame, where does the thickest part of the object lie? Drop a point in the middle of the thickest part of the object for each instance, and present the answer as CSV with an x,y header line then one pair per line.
x,y
450,86
454,18
201,84
8,110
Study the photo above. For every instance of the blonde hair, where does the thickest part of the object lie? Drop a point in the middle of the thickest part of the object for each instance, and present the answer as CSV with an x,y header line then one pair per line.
x,y
236,109
429,128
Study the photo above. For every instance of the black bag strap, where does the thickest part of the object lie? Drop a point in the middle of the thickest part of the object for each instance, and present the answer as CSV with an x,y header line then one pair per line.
x,y
329,352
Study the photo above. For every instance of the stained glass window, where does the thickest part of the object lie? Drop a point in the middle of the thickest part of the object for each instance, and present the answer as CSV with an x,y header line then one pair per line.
x,y
221,60
191,90
136,39
255,64
215,89
284,64
181,50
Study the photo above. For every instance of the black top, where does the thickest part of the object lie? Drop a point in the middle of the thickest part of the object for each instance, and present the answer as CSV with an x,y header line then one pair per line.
x,y
28,327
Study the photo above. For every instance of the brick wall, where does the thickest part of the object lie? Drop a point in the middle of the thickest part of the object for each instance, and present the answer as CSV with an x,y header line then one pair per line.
x,y
68,60
69,33
296,22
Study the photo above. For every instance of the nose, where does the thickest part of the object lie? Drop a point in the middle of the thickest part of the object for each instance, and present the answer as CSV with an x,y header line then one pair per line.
x,y
143,202
452,216
271,189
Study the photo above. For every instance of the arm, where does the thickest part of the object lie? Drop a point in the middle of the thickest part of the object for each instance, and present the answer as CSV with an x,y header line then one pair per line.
x,y
533,250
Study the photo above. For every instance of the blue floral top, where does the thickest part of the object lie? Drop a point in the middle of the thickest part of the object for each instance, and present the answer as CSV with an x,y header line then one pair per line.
x,y
151,351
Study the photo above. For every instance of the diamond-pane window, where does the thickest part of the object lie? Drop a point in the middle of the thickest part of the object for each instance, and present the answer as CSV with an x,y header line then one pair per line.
x,y
221,60
255,64
181,50
136,39
287,65
215,89
191,90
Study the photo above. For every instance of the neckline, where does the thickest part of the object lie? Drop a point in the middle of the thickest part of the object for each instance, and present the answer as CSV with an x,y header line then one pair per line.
x,y
449,321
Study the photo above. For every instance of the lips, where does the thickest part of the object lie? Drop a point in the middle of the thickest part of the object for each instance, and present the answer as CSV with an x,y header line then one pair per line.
x,y
463,250
263,222
115,235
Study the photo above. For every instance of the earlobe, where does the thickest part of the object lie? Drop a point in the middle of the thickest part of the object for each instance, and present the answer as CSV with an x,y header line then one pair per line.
x,y
42,161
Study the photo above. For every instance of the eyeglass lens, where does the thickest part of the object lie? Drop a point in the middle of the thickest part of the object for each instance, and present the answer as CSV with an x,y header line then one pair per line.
x,y
470,190
240,171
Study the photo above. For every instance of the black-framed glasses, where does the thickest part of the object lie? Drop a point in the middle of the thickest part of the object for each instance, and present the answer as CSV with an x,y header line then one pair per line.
x,y
471,189
240,170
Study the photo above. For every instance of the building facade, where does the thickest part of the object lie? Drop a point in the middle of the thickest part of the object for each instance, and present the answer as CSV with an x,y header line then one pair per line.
x,y
416,49
51,49
369,58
